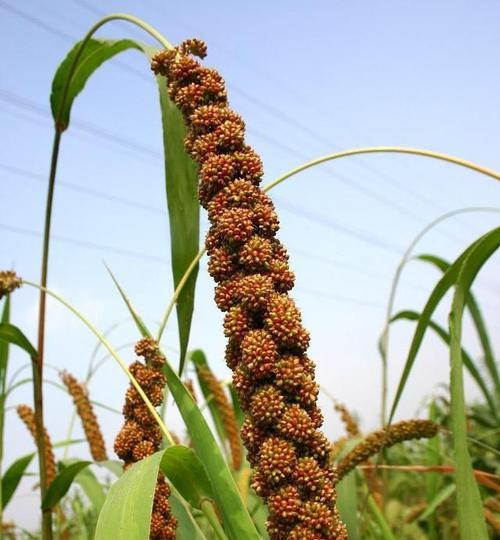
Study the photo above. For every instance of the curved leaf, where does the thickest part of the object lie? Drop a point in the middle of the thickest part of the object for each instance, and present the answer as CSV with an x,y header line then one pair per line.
x,y
94,54
12,334
442,287
127,509
12,477
470,511
468,361
61,484
477,318
187,473
92,488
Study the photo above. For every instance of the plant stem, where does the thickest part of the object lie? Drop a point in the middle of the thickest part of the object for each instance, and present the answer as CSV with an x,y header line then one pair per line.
x,y
113,353
38,362
209,512
382,150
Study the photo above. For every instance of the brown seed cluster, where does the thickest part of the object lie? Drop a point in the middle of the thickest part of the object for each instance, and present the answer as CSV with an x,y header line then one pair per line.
x,y
87,415
350,423
267,343
9,281
385,438
226,412
27,415
141,437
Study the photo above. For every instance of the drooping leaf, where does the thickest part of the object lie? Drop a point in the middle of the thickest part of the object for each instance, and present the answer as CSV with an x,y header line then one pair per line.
x,y
13,476
470,511
468,361
62,483
127,509
93,55
91,486
479,323
441,288
12,334
187,473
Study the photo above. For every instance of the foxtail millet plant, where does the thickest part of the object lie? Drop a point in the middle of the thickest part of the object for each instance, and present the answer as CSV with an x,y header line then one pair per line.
x,y
272,375
140,435
26,414
87,415
226,412
405,430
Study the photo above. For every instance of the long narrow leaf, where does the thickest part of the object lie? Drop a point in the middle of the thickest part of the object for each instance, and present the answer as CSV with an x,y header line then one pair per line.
x,y
477,318
12,477
468,361
90,485
181,177
347,502
12,334
62,483
442,287
470,512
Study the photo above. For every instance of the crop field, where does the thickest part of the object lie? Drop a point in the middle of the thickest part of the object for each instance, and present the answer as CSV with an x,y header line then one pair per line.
x,y
287,336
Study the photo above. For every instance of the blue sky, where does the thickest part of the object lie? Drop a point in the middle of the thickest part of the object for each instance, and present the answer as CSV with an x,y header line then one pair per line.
x,y
309,78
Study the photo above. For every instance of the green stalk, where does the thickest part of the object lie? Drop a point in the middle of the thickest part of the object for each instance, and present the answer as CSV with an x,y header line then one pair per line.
x,y
38,365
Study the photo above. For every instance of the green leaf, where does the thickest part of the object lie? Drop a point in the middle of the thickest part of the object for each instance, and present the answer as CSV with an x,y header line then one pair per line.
x,y
12,334
238,412
347,503
61,484
4,347
470,511
137,319
200,361
181,176
186,525
477,318
116,467
12,477
468,361
435,297
235,518
92,488
437,501
127,509
385,528
93,55
187,473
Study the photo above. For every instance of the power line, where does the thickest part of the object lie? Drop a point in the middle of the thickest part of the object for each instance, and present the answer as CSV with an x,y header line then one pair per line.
x,y
86,244
349,182
87,191
162,260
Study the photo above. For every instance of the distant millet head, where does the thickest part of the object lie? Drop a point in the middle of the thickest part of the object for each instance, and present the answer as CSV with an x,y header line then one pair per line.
x,y
405,430
267,343
87,415
141,437
9,282
26,414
